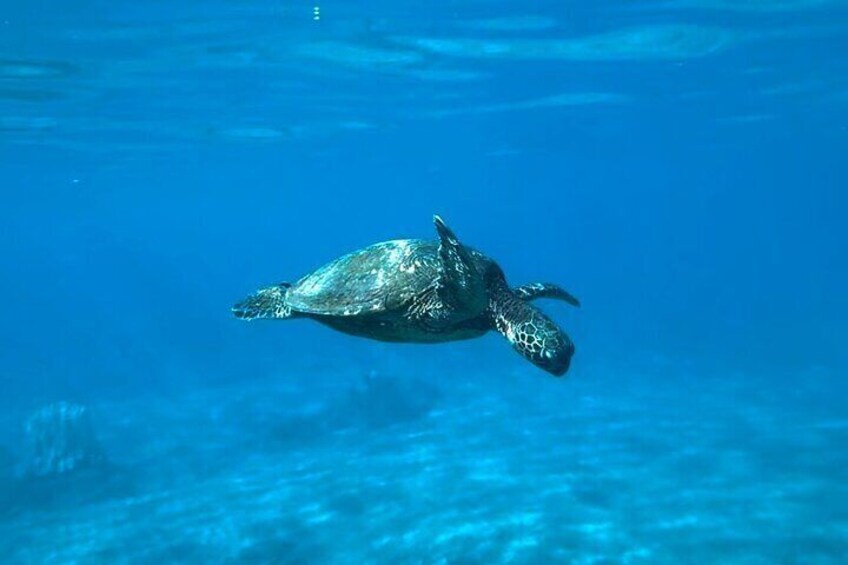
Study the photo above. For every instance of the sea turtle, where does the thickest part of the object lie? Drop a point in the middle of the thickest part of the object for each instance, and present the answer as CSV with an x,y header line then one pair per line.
x,y
425,291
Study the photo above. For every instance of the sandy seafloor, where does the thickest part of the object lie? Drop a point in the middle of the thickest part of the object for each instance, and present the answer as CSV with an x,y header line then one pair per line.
x,y
649,464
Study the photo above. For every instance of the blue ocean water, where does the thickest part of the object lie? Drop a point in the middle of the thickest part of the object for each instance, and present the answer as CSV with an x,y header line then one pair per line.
x,y
679,165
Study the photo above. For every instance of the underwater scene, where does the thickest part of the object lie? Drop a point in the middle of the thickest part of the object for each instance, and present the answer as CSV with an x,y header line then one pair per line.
x,y
452,282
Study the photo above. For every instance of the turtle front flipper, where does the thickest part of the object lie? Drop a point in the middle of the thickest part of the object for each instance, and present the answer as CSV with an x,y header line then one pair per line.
x,y
533,291
268,302
461,285
532,334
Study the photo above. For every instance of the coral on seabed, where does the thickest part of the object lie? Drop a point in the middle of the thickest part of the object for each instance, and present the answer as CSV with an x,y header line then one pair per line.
x,y
59,440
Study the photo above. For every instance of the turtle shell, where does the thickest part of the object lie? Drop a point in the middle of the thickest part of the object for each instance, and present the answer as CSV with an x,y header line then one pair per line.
x,y
379,278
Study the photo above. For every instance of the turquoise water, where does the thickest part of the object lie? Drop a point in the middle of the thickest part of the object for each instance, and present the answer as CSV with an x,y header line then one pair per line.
x,y
678,165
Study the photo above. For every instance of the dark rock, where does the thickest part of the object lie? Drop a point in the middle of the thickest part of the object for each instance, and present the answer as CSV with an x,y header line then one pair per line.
x,y
285,418
380,400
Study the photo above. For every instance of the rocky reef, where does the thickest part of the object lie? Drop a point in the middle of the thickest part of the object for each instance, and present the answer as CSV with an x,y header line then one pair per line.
x,y
304,415
59,440
6,465
382,400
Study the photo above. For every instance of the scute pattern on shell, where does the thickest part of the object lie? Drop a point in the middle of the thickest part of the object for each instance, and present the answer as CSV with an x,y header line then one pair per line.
x,y
376,279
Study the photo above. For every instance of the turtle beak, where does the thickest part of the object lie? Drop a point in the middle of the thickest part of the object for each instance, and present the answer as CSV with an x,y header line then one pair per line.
x,y
558,361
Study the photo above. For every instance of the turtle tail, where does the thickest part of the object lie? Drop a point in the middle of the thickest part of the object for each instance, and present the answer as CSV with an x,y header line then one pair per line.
x,y
267,303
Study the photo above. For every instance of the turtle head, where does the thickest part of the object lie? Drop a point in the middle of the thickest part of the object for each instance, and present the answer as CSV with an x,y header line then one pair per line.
x,y
549,348
532,334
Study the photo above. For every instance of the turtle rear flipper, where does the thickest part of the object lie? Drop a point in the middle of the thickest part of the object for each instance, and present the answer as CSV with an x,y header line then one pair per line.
x,y
461,284
268,302
532,334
